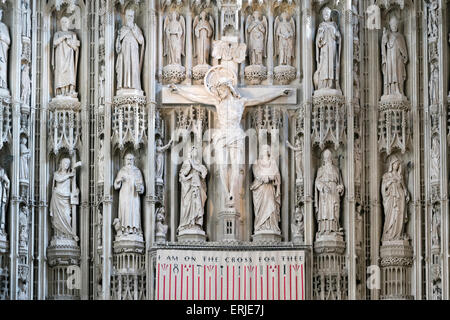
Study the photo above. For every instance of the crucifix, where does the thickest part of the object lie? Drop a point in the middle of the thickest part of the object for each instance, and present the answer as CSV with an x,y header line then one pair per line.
x,y
228,138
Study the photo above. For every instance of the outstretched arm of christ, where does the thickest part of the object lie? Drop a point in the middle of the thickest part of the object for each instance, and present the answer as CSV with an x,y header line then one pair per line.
x,y
199,98
266,98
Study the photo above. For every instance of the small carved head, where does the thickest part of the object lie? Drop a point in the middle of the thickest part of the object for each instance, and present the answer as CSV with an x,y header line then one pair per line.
x,y
393,23
160,216
129,16
64,165
65,23
203,15
327,156
23,140
129,159
264,152
193,154
326,13
257,14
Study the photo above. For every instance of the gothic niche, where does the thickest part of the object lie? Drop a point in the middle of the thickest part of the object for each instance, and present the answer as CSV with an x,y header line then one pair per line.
x,y
284,48
129,124
393,106
328,103
174,47
256,33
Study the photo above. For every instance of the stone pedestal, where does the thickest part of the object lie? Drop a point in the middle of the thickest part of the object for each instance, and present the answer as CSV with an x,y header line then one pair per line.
x,y
65,124
63,254
328,117
192,236
267,236
393,119
285,74
129,118
128,279
396,262
255,74
330,270
199,72
228,225
174,73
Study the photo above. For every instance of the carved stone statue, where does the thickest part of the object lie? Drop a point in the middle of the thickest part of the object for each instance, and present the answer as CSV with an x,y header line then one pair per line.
x,y
395,197
26,18
373,17
266,190
131,184
284,39
328,190
193,193
101,162
63,191
298,150
358,161
160,150
435,160
65,59
5,42
174,30
4,196
436,226
256,33
394,58
433,84
23,227
298,224
328,53
25,84
203,33
129,57
161,228
25,154
228,137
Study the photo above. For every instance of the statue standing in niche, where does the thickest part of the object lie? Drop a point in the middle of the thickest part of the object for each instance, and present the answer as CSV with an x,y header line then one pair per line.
x,y
174,29
284,39
129,58
160,150
433,84
328,53
435,159
26,18
266,190
131,184
193,193
228,138
4,196
395,197
23,227
329,189
394,56
25,84
25,154
358,161
5,42
161,228
63,190
203,32
436,226
298,224
101,162
256,33
65,59
298,150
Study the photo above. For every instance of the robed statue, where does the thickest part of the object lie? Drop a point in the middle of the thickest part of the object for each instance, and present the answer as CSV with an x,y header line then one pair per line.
x,y
64,192
394,56
266,190
203,33
284,39
129,57
395,197
66,47
256,36
328,53
193,193
5,185
328,191
174,31
131,184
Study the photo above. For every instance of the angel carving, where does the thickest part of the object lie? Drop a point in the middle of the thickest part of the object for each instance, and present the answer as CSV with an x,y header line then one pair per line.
x,y
284,38
203,33
174,29
256,37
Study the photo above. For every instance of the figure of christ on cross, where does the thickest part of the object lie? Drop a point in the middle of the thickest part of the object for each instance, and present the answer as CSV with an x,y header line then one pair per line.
x,y
228,138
